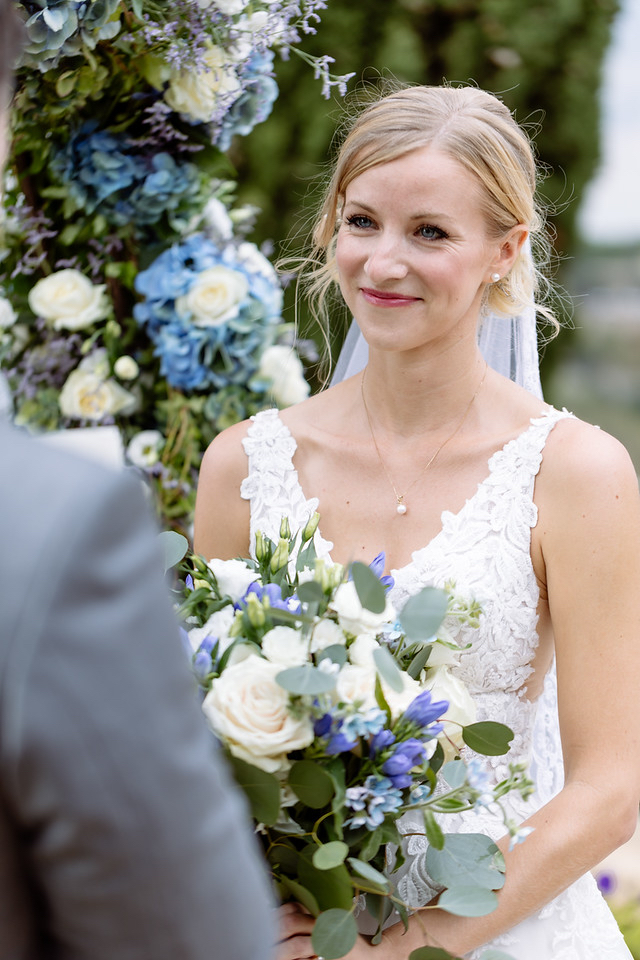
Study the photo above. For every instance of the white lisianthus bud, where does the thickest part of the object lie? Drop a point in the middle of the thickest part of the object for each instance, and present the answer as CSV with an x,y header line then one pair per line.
x,y
126,368
68,300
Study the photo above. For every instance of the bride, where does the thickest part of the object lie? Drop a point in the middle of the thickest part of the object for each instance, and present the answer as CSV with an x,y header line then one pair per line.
x,y
456,472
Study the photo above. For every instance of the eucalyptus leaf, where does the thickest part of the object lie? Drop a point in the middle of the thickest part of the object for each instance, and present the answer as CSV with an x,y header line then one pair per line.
x,y
370,590
301,894
388,669
330,855
262,790
310,592
468,901
331,888
311,784
369,873
334,934
306,680
431,953
433,830
467,859
488,737
174,547
423,613
336,652
455,773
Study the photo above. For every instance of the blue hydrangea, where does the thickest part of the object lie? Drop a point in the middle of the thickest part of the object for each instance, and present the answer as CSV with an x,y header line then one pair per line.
x,y
104,172
198,357
254,104
62,27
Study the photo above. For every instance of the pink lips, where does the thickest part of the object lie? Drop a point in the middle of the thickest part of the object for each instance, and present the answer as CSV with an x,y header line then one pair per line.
x,y
380,299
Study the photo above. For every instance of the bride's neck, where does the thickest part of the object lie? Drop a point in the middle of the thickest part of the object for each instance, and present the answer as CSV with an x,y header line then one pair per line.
x,y
411,397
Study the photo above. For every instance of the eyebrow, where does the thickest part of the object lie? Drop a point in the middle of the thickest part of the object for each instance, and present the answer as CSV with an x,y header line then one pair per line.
x,y
416,216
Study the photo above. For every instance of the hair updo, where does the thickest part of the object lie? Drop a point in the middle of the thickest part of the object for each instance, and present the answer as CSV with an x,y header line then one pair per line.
x,y
476,130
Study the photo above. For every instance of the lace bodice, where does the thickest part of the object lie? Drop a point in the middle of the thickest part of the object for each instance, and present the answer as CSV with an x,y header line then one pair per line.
x,y
485,549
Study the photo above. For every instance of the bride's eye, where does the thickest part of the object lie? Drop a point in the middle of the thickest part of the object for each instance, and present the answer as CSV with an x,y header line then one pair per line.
x,y
360,221
429,232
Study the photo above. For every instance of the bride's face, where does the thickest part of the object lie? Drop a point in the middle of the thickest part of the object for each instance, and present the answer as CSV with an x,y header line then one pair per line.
x,y
413,253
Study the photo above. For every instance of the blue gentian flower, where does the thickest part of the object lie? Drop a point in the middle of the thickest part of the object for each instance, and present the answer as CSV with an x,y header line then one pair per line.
x,y
404,758
380,741
378,565
423,710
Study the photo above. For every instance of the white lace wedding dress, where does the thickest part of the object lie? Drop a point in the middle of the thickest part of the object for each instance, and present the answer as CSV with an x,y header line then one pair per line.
x,y
485,549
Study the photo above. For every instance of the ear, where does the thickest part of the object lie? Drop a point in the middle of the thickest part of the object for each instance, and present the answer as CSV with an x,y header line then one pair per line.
x,y
509,248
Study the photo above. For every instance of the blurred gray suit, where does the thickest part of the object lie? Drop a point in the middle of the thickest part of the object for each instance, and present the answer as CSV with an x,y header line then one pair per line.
x,y
120,836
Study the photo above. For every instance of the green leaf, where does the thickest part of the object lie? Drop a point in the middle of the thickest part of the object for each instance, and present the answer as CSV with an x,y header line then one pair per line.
x,y
331,888
419,661
310,592
312,784
433,831
455,773
174,546
330,855
301,894
468,901
336,652
388,669
137,8
432,953
369,873
370,590
467,859
488,737
423,613
306,680
334,934
262,790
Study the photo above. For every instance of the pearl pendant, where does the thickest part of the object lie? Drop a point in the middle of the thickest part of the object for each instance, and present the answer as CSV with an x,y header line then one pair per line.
x,y
401,509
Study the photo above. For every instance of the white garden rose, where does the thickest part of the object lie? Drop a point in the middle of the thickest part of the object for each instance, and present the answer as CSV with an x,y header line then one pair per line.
x,y
462,709
69,301
88,393
233,577
250,711
214,296
325,634
353,617
199,95
281,365
362,649
143,450
285,646
126,368
7,314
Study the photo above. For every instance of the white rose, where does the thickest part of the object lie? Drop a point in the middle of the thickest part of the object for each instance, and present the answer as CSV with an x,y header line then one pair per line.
x,y
86,396
281,365
143,450
233,577
357,684
126,368
69,301
325,634
214,296
285,646
250,711
7,314
462,709
217,219
353,617
200,94
362,649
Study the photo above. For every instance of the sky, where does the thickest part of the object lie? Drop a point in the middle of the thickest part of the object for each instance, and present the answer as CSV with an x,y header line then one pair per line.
x,y
610,211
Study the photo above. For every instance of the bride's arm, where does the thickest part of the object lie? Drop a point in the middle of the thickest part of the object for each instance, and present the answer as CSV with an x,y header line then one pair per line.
x,y
589,537
221,523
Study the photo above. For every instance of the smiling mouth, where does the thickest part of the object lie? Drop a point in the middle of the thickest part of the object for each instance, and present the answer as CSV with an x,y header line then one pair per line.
x,y
385,299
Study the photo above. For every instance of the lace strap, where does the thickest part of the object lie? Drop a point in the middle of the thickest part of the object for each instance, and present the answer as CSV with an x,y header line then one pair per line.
x,y
520,459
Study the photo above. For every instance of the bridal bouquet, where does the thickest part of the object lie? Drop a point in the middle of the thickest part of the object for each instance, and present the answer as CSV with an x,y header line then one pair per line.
x,y
331,708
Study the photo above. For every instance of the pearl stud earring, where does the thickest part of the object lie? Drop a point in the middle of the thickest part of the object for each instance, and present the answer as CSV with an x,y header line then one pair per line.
x,y
495,277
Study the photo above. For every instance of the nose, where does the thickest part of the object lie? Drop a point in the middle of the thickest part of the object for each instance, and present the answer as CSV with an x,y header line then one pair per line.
x,y
385,260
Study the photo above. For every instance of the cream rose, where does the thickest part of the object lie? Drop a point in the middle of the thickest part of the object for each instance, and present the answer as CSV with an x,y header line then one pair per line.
x,y
7,314
198,95
233,577
462,709
285,646
353,617
89,395
281,365
214,297
250,711
69,301
143,450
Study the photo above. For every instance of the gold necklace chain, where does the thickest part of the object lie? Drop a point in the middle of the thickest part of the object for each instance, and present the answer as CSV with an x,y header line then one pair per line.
x,y
401,507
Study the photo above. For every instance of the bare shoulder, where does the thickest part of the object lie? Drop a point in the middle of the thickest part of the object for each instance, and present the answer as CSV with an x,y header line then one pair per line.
x,y
221,524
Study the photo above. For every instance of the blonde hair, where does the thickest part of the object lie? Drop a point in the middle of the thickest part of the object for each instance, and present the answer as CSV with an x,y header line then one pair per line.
x,y
478,131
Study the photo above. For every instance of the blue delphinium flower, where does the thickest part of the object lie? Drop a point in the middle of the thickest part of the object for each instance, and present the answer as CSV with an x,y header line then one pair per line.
x,y
423,710
371,802
254,104
407,755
